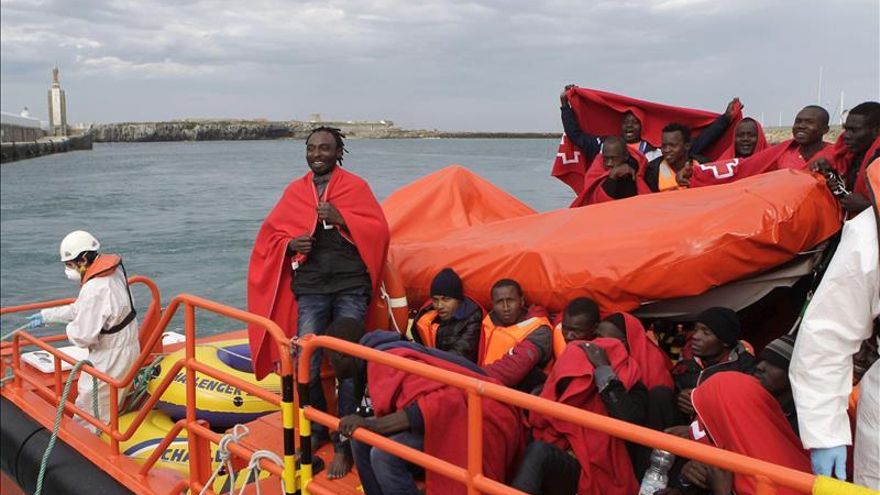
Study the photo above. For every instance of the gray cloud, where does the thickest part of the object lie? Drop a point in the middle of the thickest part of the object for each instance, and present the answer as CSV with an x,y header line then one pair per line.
x,y
445,64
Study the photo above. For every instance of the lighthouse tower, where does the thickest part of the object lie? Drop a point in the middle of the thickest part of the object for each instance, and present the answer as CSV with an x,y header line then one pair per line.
x,y
57,107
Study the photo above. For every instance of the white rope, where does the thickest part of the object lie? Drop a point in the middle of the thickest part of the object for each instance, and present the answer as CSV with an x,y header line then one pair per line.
x,y
253,467
387,299
238,432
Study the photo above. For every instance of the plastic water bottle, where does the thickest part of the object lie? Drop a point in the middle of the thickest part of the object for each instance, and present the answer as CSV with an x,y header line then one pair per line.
x,y
656,477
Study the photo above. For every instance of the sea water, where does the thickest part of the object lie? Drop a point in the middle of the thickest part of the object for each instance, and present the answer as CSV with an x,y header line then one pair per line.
x,y
186,214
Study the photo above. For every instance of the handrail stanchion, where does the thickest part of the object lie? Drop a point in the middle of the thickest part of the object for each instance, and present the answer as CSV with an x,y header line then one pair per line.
x,y
59,387
288,415
114,418
198,471
305,426
475,438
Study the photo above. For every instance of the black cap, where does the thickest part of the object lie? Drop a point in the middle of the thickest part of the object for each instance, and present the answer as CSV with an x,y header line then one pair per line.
x,y
724,323
447,283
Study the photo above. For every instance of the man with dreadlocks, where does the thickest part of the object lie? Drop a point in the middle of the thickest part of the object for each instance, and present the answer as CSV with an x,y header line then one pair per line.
x,y
318,256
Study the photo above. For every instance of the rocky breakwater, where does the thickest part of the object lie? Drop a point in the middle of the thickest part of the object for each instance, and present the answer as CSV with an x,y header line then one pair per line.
x,y
196,130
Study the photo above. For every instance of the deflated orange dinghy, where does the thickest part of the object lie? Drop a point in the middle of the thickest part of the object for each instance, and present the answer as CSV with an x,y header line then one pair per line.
x,y
620,253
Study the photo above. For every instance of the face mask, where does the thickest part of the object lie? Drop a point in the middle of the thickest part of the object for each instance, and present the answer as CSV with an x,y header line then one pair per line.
x,y
72,274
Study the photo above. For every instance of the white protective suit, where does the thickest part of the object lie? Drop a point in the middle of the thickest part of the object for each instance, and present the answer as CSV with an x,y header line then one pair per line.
x,y
839,317
102,303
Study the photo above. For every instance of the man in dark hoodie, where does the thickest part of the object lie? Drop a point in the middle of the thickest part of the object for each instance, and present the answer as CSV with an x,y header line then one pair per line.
x,y
716,347
452,322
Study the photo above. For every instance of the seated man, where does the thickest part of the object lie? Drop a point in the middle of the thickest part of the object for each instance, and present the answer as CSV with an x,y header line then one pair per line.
x,y
579,320
509,323
772,372
736,413
102,319
677,155
716,347
565,458
425,414
616,174
653,363
452,322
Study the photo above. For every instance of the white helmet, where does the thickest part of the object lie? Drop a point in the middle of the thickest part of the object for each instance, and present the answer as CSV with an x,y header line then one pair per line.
x,y
76,243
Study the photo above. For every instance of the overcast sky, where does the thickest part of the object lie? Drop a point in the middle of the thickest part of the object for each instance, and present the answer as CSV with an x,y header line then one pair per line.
x,y
452,65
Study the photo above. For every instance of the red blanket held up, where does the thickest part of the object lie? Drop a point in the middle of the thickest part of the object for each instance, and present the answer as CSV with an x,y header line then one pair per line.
x,y
739,415
600,113
295,214
444,410
606,468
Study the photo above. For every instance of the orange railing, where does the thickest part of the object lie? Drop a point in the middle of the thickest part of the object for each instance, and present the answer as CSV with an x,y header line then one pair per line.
x,y
198,434
768,476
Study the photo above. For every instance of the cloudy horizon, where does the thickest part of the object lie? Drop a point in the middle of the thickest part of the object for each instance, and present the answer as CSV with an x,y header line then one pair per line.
x,y
445,64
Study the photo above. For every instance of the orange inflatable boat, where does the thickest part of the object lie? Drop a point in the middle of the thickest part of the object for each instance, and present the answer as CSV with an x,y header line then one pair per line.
x,y
622,253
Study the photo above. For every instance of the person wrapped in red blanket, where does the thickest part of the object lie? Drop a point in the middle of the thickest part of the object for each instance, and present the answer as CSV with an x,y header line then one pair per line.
x,y
810,125
734,412
655,367
319,254
589,115
617,172
428,415
602,464
857,146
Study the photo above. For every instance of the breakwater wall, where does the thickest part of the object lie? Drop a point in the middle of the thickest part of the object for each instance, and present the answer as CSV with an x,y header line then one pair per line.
x,y
240,130
20,150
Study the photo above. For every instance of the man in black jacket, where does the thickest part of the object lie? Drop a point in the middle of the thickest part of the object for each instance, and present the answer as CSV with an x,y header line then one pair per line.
x,y
452,322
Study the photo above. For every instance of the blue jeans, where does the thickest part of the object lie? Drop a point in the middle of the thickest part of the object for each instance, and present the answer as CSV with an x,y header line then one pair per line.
x,y
315,312
384,474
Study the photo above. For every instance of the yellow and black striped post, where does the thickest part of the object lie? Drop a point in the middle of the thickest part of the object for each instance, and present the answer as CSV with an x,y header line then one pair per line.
x,y
305,439
287,418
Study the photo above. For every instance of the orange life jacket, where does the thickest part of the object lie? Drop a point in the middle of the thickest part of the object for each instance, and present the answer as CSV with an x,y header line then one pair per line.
x,y
104,266
497,341
427,328
558,341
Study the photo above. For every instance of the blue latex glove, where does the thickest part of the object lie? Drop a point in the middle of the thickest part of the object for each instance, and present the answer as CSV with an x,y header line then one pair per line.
x,y
826,460
35,321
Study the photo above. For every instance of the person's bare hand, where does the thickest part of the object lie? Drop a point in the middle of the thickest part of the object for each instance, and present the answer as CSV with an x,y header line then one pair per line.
x,y
854,203
683,176
696,473
731,107
684,402
328,213
820,165
621,171
347,424
596,355
563,96
720,481
302,244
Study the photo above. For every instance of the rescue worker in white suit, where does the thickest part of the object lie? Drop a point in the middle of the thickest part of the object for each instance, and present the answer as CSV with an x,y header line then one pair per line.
x,y
839,317
102,319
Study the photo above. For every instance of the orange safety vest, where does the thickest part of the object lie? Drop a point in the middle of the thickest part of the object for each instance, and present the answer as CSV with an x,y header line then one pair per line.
x,y
498,341
427,328
103,266
558,341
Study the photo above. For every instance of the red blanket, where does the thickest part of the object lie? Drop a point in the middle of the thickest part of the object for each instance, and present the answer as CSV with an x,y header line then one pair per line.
x,y
295,214
734,169
654,365
739,415
761,145
598,173
600,113
444,410
606,468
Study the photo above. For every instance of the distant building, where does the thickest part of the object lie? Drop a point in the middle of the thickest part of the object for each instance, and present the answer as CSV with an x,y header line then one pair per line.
x,y
19,128
57,107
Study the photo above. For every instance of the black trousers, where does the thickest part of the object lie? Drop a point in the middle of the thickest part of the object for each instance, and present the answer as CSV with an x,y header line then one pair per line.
x,y
547,469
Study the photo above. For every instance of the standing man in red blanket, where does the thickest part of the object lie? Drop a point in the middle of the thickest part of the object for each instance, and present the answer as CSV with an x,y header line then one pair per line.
x,y
318,256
